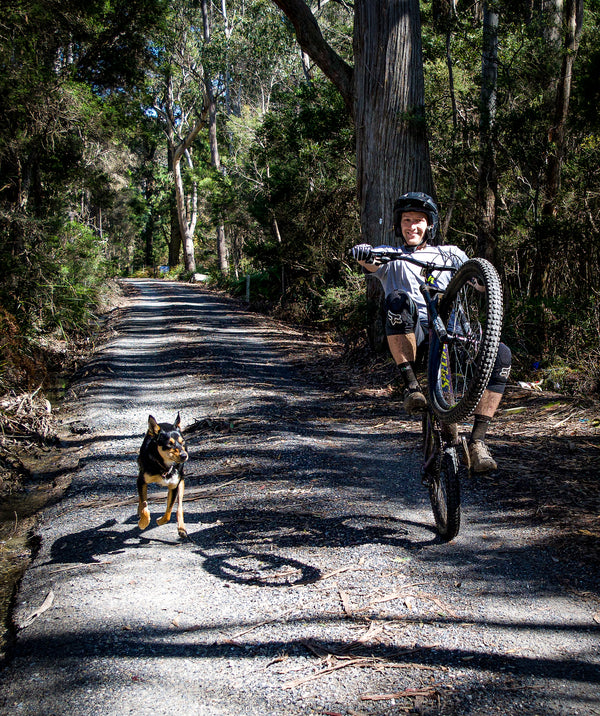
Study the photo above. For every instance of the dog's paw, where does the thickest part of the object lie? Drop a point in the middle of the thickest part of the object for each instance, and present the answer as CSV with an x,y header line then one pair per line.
x,y
163,520
182,532
144,520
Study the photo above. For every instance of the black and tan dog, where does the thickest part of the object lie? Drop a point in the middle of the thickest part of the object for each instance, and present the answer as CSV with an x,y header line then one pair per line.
x,y
161,460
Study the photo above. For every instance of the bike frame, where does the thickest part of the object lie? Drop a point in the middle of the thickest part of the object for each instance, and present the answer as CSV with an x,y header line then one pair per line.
x,y
444,494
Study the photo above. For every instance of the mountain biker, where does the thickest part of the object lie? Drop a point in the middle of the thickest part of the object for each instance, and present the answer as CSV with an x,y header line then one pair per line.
x,y
416,223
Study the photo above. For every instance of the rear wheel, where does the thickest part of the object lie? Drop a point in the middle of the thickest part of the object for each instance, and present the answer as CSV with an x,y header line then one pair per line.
x,y
459,369
440,474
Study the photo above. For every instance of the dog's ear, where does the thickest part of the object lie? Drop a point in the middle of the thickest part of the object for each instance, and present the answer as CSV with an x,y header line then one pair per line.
x,y
153,426
177,422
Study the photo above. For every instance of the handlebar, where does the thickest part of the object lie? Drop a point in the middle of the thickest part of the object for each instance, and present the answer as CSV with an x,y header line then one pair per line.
x,y
384,256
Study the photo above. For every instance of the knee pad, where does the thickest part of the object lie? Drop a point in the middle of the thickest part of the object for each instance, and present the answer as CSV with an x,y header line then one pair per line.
x,y
501,370
401,314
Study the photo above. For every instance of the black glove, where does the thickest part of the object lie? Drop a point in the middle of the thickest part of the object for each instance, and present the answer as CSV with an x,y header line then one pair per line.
x,y
362,252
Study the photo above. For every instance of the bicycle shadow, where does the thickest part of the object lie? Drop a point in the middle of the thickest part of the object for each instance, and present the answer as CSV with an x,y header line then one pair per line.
x,y
246,547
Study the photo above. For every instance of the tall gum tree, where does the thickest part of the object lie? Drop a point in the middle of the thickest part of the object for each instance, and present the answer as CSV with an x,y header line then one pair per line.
x,y
573,23
179,106
180,149
211,104
384,91
487,179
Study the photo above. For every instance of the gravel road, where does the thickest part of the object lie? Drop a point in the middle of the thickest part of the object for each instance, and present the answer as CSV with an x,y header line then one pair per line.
x,y
312,581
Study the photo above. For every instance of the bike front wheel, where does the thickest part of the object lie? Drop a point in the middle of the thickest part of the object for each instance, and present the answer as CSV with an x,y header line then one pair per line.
x,y
440,473
459,369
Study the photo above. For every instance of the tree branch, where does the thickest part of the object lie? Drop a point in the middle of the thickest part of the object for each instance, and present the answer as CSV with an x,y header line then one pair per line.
x,y
313,43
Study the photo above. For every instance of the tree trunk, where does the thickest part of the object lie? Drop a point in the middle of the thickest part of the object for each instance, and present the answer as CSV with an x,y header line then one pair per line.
x,y
546,230
215,157
187,207
487,183
175,237
184,225
312,42
556,134
385,95
175,233
553,10
392,152
277,235
148,236
454,161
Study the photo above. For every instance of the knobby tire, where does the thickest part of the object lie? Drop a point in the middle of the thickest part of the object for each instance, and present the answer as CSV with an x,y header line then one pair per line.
x,y
441,476
459,371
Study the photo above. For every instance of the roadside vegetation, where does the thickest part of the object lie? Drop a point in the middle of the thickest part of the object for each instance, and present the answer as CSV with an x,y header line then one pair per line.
x,y
176,139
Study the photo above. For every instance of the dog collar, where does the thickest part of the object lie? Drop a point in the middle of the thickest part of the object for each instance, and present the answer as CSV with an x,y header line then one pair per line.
x,y
168,472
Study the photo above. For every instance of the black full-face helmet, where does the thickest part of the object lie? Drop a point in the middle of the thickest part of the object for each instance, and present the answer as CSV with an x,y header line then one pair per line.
x,y
417,201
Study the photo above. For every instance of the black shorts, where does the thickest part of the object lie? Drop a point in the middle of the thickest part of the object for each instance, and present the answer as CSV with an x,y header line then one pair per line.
x,y
402,316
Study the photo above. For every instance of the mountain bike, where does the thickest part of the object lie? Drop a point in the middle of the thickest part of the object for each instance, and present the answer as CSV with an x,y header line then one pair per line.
x,y
465,321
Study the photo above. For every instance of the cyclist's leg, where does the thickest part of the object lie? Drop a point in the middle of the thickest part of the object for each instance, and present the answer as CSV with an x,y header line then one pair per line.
x,y
481,459
490,400
404,333
403,347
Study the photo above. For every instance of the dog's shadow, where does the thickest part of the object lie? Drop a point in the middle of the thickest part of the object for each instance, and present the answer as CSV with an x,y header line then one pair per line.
x,y
93,545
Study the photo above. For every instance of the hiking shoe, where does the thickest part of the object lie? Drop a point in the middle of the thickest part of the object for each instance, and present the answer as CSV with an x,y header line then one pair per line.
x,y
414,401
481,460
450,433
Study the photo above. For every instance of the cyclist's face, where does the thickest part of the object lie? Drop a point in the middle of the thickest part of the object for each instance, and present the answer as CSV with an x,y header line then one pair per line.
x,y
414,226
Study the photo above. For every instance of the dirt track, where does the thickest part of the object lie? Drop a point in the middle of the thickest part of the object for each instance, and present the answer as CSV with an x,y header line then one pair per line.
x,y
312,581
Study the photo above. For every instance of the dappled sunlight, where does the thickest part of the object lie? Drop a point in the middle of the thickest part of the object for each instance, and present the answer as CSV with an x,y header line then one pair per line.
x,y
311,564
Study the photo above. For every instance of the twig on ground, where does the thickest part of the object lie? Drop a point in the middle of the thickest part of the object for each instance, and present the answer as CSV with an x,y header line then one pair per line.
x,y
40,610
429,692
359,661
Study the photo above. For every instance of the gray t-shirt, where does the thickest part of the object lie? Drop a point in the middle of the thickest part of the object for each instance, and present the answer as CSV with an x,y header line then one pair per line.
x,y
404,276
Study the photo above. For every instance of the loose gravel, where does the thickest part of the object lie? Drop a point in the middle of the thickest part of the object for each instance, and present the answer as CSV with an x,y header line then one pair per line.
x,y
312,581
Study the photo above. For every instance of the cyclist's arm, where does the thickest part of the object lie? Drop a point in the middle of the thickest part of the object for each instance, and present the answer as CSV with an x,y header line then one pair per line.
x,y
371,268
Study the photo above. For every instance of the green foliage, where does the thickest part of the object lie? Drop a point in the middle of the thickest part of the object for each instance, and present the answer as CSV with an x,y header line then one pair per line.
x,y
303,202
87,191
548,263
344,306
67,207
261,287
561,336
53,285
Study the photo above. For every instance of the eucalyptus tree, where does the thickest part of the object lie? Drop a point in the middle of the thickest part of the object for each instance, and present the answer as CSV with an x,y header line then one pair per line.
x,y
383,87
245,55
253,56
572,22
209,63
210,98
487,180
176,99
